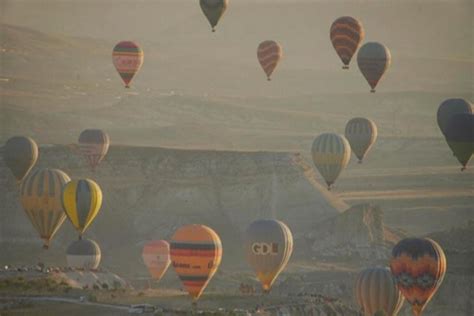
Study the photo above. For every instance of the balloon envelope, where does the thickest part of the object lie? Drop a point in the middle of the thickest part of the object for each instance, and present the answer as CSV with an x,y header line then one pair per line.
x,y
269,54
20,155
448,109
83,254
127,57
346,34
419,266
268,247
40,195
460,137
331,154
361,134
373,60
156,256
82,200
213,10
196,253
376,290
93,145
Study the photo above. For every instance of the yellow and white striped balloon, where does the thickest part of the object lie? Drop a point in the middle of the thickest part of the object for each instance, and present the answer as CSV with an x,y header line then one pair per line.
x,y
41,199
331,154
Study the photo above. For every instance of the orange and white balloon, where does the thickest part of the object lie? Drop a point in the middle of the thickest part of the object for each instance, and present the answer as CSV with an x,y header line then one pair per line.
x,y
156,256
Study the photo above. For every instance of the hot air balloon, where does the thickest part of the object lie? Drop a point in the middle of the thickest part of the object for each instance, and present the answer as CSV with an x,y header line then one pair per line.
x,y
268,247
40,195
156,256
419,266
346,35
196,253
361,134
331,154
449,108
83,254
213,10
269,54
376,291
93,145
127,57
81,200
20,155
373,60
460,137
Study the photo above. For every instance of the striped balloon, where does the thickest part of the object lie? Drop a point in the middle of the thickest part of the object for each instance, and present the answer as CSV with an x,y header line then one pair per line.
x,y
419,266
361,134
82,200
83,254
346,35
127,57
376,291
213,10
268,247
196,253
93,145
20,155
331,154
460,137
156,256
373,60
41,199
269,54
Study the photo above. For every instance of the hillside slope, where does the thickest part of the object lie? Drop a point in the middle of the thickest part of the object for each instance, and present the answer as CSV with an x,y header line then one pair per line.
x,y
149,192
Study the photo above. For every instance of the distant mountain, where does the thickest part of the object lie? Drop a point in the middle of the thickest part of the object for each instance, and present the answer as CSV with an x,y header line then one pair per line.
x,y
359,232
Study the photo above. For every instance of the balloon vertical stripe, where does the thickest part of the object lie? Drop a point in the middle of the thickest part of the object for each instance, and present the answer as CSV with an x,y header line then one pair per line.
x,y
82,200
373,60
376,290
331,154
40,195
361,134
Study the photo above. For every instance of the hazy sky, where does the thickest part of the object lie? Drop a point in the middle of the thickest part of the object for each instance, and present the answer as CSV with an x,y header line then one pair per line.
x,y
430,41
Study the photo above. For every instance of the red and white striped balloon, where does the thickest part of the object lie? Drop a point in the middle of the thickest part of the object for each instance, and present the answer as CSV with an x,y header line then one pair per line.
x,y
269,54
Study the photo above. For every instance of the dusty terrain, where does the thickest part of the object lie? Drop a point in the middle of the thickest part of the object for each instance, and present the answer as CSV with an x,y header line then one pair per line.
x,y
202,137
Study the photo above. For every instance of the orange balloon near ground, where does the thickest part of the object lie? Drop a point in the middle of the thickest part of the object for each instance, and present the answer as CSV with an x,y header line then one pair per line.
x,y
196,253
269,54
156,255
